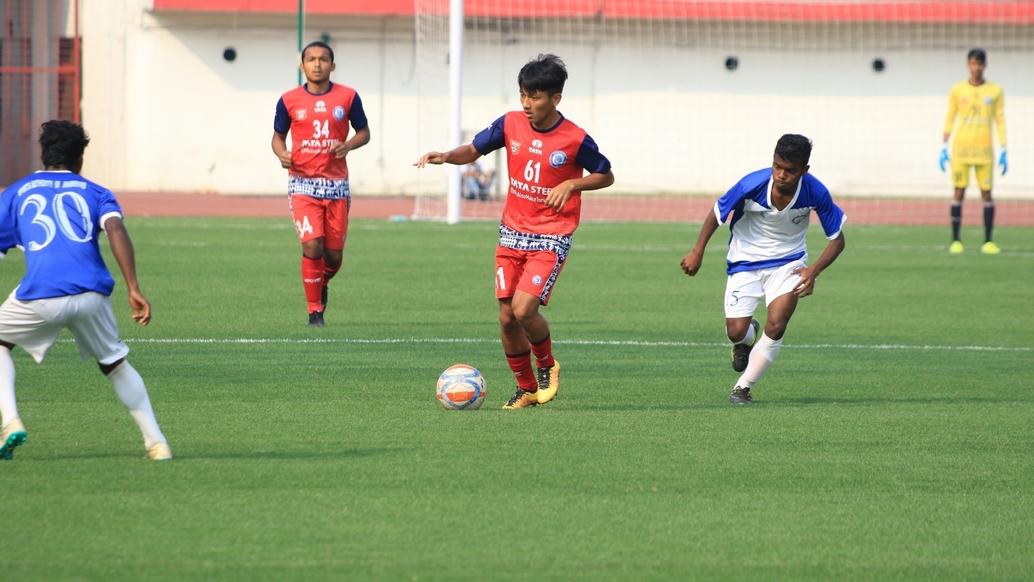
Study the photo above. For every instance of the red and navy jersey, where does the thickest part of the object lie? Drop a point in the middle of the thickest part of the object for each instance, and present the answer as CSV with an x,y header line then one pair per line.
x,y
538,160
318,123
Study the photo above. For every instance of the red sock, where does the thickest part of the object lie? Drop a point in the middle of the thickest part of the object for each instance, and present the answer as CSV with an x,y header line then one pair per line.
x,y
543,353
329,273
312,281
521,366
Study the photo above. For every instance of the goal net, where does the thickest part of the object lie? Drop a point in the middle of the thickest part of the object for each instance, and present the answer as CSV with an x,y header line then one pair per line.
x,y
687,96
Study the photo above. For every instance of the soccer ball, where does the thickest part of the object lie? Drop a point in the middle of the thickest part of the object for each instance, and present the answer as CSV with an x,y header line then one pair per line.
x,y
461,387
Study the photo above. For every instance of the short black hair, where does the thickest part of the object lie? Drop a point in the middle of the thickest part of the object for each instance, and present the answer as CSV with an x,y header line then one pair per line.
x,y
543,73
979,54
318,44
62,143
794,148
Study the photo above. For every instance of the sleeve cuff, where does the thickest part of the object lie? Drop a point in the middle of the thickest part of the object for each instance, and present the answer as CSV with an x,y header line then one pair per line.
x,y
843,220
718,214
105,217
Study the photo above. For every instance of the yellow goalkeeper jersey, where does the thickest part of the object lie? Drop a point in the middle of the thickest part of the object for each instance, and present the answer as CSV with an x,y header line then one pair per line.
x,y
975,106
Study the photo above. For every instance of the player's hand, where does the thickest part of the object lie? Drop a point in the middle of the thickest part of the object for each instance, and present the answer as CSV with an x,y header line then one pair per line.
x,y
285,159
559,195
806,285
943,160
1003,161
435,158
140,306
340,150
692,261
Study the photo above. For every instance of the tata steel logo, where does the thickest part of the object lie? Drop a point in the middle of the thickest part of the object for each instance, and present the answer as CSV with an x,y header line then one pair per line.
x,y
536,147
321,107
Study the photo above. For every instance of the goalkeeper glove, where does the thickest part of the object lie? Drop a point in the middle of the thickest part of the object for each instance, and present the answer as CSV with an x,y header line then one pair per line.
x,y
943,161
1003,161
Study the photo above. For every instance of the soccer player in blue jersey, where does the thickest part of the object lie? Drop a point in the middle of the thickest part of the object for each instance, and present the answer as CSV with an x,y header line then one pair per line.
x,y
767,213
55,216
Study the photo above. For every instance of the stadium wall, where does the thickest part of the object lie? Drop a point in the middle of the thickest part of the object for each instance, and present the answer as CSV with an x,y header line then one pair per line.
x,y
166,112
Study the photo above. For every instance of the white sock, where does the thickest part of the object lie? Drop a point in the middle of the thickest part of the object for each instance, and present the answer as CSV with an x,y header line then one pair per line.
x,y
748,338
8,406
131,391
761,357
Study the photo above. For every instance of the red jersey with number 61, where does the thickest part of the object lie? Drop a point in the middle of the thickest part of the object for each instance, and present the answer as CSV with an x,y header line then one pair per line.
x,y
539,160
318,123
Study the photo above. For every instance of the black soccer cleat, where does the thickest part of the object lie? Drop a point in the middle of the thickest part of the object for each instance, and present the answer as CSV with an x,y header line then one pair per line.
x,y
741,352
740,395
316,319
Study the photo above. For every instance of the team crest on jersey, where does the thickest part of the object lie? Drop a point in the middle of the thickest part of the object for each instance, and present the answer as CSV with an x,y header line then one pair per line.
x,y
300,114
988,100
515,146
339,112
557,158
321,107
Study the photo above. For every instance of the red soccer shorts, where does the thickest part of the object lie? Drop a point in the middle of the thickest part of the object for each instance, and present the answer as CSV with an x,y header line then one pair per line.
x,y
534,272
320,217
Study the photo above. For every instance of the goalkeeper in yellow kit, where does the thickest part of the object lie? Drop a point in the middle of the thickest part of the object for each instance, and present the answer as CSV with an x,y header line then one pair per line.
x,y
976,103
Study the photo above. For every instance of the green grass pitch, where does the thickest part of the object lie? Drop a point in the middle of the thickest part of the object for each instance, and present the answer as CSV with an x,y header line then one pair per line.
x,y
874,449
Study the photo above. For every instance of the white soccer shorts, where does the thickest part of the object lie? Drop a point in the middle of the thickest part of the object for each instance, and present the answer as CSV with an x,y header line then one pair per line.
x,y
745,289
35,325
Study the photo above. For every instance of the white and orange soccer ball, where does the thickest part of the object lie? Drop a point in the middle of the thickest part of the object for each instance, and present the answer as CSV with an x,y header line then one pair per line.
x,y
461,387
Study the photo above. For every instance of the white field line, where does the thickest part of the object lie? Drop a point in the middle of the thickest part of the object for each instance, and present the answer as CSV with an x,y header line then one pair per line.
x,y
575,342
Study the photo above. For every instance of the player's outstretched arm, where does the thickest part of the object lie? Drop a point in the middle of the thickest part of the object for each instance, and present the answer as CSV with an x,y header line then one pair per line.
x,y
695,257
808,275
280,149
460,156
122,249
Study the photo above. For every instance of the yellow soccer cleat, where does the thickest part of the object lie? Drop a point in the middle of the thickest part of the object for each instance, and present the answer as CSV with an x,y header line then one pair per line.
x,y
956,248
159,452
989,248
521,399
13,434
549,383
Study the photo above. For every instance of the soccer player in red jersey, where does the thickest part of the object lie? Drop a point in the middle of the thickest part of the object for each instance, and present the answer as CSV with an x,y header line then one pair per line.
x,y
318,114
547,158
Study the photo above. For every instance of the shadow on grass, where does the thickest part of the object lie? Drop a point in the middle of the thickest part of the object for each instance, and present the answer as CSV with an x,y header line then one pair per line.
x,y
777,402
808,400
291,455
633,407
199,454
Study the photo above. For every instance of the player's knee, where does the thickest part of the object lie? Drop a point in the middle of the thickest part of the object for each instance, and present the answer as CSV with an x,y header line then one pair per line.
x,y
525,313
775,329
313,249
507,319
736,330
